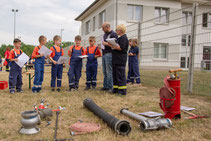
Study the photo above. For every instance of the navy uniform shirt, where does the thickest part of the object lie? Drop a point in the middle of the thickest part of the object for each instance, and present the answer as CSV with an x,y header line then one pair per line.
x,y
134,50
108,35
119,57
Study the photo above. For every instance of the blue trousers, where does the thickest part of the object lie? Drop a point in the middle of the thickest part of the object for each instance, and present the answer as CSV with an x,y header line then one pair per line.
x,y
56,74
15,79
39,74
107,71
91,75
74,74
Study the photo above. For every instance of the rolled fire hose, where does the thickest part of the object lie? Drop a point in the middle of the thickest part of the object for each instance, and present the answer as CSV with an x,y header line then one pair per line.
x,y
121,127
146,123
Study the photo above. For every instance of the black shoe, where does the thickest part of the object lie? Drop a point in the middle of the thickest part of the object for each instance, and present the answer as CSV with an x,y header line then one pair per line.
x,y
104,89
53,90
93,88
58,90
87,88
71,89
19,91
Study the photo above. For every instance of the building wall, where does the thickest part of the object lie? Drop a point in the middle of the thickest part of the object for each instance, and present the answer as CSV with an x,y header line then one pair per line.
x,y
109,7
148,36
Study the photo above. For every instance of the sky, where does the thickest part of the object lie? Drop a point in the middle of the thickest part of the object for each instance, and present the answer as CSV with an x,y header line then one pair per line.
x,y
40,17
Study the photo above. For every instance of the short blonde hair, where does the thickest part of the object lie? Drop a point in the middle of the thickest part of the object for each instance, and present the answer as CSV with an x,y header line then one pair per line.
x,y
121,27
56,38
134,42
92,38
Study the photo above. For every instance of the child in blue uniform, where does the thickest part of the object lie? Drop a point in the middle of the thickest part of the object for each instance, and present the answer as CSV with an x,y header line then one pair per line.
x,y
39,65
133,63
15,76
74,73
93,53
56,69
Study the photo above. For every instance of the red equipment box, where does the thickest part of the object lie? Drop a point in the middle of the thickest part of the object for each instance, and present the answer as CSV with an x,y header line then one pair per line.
x,y
3,85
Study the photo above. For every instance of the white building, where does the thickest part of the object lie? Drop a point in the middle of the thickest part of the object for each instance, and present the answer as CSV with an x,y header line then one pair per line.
x,y
165,28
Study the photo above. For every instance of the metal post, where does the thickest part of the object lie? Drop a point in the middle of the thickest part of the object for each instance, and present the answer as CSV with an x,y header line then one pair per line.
x,y
139,38
61,35
192,48
14,10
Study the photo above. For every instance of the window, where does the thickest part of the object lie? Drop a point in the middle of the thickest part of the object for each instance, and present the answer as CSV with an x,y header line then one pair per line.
x,y
93,24
183,62
87,27
206,20
102,18
134,13
161,15
186,39
160,50
187,17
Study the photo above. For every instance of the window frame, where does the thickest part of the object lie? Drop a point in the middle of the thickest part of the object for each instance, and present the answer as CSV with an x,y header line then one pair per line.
x,y
160,51
88,30
160,17
100,18
94,24
134,13
208,23
187,40
187,14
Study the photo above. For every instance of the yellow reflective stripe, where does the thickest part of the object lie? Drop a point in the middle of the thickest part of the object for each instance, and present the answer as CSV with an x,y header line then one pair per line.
x,y
115,87
122,87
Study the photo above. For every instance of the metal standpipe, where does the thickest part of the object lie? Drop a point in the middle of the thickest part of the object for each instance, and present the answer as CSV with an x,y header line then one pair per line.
x,y
147,123
122,127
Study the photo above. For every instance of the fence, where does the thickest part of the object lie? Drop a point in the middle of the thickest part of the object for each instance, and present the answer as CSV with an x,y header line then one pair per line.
x,y
176,39
179,38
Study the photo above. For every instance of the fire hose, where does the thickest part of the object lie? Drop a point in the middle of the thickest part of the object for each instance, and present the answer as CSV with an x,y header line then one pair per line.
x,y
121,127
146,123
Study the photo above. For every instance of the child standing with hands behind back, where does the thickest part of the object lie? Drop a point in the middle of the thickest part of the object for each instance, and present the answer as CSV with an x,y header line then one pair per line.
x,y
56,69
133,63
15,76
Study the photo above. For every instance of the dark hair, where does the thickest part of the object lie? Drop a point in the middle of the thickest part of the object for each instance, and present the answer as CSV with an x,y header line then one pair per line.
x,y
16,41
78,37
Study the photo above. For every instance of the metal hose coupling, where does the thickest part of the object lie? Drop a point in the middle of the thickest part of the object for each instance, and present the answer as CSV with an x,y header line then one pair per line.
x,y
147,123
121,127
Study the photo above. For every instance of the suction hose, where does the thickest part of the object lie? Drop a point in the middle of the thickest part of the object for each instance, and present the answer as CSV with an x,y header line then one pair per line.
x,y
148,124
122,127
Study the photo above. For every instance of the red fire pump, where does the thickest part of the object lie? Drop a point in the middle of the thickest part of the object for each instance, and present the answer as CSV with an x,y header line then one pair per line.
x,y
170,96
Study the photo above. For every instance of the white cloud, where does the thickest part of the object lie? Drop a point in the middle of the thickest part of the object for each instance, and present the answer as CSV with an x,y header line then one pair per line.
x,y
40,17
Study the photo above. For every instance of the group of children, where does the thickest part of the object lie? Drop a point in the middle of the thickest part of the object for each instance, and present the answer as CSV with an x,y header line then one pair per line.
x,y
75,52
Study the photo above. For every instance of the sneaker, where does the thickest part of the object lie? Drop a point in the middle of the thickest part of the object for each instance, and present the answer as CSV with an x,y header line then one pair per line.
x,y
93,88
53,90
58,90
87,88
12,92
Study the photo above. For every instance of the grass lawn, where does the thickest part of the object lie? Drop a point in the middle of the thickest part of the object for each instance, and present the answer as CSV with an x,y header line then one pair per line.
x,y
139,99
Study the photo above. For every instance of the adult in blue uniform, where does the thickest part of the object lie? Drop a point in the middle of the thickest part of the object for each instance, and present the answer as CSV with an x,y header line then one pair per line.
x,y
133,63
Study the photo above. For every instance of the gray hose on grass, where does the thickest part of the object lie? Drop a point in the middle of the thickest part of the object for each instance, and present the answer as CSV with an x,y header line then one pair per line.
x,y
121,127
